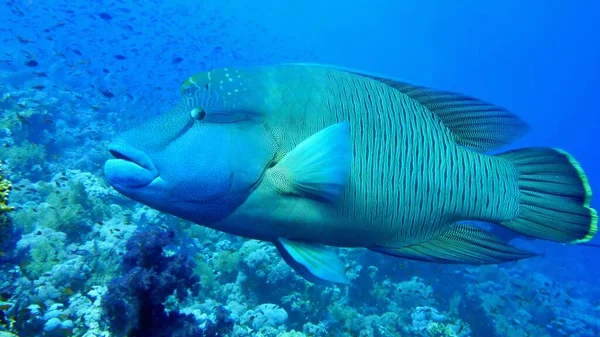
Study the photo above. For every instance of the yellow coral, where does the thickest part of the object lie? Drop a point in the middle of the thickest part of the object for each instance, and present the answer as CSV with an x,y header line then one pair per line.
x,y
5,187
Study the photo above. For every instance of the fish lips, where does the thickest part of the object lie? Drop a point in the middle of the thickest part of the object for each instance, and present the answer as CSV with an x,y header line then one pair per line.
x,y
131,168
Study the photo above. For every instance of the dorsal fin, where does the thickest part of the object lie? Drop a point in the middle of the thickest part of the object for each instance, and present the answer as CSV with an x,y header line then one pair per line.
x,y
476,124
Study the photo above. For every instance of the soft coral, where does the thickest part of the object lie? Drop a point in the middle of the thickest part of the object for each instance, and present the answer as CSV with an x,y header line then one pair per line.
x,y
134,301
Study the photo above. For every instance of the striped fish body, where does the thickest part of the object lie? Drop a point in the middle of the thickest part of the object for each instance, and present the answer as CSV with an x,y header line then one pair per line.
x,y
409,179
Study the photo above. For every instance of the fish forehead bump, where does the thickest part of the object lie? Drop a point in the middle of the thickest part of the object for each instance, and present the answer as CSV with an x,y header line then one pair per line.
x,y
225,89
227,80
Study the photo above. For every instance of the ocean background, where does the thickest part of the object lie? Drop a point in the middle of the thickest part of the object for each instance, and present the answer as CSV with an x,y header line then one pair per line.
x,y
78,259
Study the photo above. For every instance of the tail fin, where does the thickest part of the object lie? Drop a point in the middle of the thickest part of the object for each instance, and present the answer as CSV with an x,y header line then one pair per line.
x,y
555,196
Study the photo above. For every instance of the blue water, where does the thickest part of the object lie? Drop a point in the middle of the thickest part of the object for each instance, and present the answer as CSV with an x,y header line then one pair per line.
x,y
74,253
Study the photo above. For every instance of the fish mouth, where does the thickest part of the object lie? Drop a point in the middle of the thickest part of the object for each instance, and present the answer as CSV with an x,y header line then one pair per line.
x,y
130,168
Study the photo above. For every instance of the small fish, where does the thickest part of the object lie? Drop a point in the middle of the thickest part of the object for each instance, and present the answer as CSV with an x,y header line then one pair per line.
x,y
23,120
107,93
105,16
24,40
41,304
119,56
32,63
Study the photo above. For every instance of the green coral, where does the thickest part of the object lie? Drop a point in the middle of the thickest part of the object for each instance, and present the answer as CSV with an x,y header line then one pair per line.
x,y
448,329
63,209
204,235
440,330
227,262
206,274
453,305
24,156
11,118
343,313
380,292
46,251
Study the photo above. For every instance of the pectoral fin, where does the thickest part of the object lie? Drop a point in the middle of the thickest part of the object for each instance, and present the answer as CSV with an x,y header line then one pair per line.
x,y
319,167
461,244
315,262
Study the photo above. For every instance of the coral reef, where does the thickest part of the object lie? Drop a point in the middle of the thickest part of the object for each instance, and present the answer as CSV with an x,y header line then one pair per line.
x,y
78,259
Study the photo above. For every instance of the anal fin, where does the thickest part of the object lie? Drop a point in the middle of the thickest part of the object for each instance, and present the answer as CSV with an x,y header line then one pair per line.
x,y
464,244
315,262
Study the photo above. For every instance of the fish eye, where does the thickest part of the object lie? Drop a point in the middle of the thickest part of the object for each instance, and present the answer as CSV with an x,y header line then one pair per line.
x,y
198,114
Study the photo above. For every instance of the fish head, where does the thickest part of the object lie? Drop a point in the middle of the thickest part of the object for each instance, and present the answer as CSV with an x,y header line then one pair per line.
x,y
203,158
